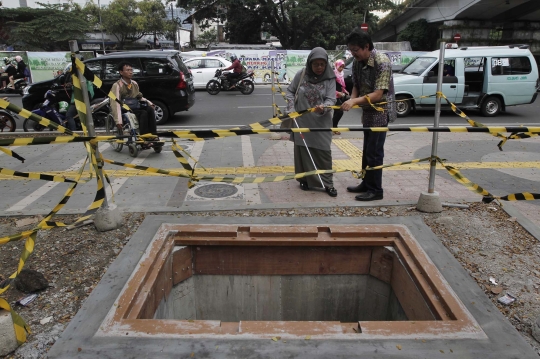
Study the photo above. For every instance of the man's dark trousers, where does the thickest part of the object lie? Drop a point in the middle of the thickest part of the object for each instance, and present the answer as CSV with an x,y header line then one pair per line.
x,y
147,120
373,156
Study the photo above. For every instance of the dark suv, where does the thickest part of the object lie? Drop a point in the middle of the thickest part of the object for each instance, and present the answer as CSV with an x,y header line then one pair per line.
x,y
162,77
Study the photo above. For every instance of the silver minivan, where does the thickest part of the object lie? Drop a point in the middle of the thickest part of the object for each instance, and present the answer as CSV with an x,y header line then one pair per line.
x,y
485,78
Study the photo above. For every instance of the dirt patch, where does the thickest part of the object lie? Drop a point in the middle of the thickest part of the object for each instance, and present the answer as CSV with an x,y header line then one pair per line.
x,y
485,240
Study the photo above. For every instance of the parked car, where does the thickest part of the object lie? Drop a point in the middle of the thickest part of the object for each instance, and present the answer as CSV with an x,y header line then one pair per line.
x,y
203,69
484,78
162,76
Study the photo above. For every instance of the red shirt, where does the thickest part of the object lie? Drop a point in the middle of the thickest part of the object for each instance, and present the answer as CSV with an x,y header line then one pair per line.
x,y
236,67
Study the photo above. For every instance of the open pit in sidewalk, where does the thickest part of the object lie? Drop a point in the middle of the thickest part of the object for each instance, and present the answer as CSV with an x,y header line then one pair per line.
x,y
238,286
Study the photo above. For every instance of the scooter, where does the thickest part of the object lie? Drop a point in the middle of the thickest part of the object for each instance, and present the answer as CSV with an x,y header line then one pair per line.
x,y
19,85
220,82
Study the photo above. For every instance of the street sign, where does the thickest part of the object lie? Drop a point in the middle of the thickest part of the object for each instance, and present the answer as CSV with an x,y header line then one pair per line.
x,y
364,27
457,37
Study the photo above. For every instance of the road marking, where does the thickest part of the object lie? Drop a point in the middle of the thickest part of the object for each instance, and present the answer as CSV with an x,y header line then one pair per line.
x,y
251,190
31,198
119,181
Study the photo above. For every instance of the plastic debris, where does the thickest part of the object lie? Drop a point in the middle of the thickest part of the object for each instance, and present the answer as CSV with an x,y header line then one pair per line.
x,y
492,280
27,300
45,320
507,299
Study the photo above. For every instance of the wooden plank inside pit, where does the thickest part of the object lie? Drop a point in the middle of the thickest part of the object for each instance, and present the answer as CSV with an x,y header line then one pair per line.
x,y
182,264
236,260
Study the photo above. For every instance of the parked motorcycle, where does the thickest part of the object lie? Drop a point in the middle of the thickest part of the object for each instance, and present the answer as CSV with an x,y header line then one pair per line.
x,y
220,82
100,107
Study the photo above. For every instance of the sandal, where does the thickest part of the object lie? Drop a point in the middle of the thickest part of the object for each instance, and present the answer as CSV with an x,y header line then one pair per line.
x,y
304,186
332,192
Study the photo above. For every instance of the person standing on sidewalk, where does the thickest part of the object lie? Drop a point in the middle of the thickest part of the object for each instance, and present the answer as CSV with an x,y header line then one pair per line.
x,y
341,93
313,86
373,82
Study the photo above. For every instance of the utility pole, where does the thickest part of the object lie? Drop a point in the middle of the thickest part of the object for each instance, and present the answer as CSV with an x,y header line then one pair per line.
x,y
175,25
101,28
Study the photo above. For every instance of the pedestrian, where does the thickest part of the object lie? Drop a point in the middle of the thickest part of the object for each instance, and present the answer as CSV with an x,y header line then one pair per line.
x,y
127,90
342,94
313,86
373,82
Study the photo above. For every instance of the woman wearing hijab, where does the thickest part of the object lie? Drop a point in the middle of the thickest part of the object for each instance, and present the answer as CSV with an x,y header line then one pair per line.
x,y
341,93
313,86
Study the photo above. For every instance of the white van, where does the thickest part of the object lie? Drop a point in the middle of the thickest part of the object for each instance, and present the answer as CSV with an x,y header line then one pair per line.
x,y
487,78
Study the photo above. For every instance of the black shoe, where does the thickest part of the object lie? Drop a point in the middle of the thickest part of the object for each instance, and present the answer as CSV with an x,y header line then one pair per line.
x,y
304,186
332,192
369,196
357,189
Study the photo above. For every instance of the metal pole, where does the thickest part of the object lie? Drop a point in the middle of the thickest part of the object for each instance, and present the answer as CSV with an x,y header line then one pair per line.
x,y
309,153
274,112
74,48
434,143
101,28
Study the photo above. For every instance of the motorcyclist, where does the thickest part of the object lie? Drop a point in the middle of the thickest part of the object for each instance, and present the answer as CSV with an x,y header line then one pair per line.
x,y
20,74
8,71
236,66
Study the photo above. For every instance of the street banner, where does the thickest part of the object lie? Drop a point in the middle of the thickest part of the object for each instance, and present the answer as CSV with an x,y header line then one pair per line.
x,y
48,65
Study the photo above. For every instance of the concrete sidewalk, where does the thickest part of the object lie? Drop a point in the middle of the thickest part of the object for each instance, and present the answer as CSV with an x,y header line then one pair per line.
x,y
514,170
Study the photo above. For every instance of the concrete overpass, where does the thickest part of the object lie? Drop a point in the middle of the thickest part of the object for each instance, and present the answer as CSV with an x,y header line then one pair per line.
x,y
514,17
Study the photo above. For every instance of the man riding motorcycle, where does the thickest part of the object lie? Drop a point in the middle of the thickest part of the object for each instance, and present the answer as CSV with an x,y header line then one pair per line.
x,y
8,71
236,66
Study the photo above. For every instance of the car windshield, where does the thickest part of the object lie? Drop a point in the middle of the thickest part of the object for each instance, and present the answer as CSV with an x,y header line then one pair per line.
x,y
419,65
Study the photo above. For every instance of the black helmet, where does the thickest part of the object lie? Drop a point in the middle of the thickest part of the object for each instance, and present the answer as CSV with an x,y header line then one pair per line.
x,y
233,57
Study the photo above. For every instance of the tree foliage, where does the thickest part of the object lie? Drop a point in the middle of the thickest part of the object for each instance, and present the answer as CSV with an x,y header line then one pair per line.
x,y
295,23
48,28
421,34
207,38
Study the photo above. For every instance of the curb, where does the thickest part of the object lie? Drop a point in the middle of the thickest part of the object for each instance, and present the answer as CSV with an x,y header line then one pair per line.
x,y
526,223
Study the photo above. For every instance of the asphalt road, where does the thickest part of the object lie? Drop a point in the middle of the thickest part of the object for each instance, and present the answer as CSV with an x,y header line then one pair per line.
x,y
233,109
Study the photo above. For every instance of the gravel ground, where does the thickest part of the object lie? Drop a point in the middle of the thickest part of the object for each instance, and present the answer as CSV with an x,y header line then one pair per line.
x,y
485,240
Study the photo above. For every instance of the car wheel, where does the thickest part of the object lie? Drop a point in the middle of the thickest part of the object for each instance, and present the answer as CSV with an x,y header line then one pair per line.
x,y
162,112
491,106
403,108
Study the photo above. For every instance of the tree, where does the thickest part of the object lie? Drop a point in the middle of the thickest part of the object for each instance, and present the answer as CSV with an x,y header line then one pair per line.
x,y
119,19
243,24
421,34
152,18
21,26
298,22
207,38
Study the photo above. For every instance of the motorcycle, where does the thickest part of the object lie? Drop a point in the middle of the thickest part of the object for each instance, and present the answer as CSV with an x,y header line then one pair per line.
x,y
7,121
220,82
100,108
19,85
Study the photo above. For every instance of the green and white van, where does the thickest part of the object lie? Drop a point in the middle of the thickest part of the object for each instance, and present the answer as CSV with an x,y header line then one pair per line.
x,y
486,78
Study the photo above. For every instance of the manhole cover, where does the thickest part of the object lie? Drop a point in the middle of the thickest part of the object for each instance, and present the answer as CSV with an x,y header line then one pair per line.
x,y
216,190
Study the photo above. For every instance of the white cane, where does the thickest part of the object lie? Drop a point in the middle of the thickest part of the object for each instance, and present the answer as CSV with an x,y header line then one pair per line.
x,y
309,153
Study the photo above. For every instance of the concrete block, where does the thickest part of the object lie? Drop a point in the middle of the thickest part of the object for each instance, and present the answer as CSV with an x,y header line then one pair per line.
x,y
376,300
107,219
429,203
8,341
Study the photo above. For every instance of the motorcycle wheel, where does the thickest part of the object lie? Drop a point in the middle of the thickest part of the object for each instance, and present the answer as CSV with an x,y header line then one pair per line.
x,y
213,87
7,123
32,125
247,87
